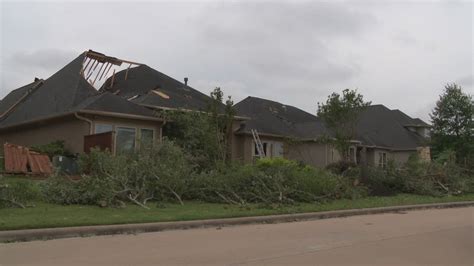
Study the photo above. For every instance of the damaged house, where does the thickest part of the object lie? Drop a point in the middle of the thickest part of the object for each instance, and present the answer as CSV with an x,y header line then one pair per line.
x,y
67,107
289,132
121,115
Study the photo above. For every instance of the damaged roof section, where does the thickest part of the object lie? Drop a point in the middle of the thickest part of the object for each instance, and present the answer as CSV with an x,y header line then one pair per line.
x,y
65,92
97,66
149,87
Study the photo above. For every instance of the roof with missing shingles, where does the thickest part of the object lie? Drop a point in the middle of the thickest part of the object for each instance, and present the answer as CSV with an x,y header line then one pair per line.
x,y
64,92
147,86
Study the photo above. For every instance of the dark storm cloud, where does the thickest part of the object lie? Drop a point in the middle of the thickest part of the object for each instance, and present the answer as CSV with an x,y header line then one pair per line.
x,y
285,40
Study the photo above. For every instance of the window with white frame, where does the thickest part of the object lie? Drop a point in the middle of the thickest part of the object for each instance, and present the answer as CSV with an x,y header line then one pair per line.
x,y
125,139
382,159
102,128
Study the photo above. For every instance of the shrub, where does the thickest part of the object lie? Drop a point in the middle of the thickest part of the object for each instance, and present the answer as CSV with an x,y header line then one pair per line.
x,y
61,190
52,149
271,181
17,194
340,167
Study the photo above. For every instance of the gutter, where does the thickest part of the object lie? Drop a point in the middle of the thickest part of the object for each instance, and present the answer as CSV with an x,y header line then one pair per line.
x,y
85,119
120,115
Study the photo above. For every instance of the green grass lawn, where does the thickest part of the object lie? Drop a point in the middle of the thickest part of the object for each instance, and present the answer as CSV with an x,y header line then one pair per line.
x,y
45,215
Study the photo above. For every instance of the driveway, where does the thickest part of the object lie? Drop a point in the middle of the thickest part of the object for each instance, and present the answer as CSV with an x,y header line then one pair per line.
x,y
430,237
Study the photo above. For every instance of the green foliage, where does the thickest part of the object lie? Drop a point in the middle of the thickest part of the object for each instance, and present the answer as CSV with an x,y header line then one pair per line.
x,y
172,170
161,172
17,194
52,149
204,134
340,114
270,181
340,167
61,190
436,178
453,124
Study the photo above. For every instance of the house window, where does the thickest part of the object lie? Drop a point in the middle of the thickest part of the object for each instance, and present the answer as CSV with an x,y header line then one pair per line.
x,y
277,149
382,159
125,139
146,137
102,128
265,146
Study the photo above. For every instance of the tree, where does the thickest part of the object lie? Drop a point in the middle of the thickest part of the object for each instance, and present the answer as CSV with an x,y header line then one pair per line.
x,y
340,114
205,134
453,125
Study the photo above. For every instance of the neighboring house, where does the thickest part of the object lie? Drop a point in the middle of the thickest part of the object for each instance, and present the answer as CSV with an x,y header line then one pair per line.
x,y
286,131
67,107
386,134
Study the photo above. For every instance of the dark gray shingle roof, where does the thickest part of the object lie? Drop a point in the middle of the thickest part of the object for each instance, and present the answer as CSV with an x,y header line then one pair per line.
x,y
142,80
270,117
380,126
377,125
64,92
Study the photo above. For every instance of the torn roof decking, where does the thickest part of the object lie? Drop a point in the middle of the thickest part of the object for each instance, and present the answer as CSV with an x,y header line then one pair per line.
x,y
64,92
377,125
149,87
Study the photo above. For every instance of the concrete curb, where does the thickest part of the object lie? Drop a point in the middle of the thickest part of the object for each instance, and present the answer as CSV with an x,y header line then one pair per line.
x,y
83,231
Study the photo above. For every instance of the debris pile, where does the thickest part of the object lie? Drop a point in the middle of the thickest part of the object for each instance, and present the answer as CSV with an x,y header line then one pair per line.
x,y
20,160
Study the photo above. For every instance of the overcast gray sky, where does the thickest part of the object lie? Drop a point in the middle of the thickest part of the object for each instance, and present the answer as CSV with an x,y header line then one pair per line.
x,y
400,54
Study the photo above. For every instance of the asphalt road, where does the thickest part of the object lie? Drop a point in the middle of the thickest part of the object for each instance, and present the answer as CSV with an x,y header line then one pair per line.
x,y
429,237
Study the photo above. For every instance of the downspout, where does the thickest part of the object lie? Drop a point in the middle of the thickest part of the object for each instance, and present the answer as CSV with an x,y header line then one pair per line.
x,y
85,119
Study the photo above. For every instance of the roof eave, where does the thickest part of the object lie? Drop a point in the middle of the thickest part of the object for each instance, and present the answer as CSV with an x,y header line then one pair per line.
x,y
121,115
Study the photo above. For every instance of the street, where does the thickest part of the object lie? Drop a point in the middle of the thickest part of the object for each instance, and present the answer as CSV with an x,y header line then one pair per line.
x,y
429,237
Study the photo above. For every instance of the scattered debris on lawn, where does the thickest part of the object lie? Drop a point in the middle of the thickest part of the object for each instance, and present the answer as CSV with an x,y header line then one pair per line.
x,y
20,160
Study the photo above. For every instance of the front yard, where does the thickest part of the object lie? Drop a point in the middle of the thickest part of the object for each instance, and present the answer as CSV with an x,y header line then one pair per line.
x,y
45,215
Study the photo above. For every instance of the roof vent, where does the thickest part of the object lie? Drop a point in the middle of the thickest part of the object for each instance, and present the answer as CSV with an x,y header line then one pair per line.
x,y
185,81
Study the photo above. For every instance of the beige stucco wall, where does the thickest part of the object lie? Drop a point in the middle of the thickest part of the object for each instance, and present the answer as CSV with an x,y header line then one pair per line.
x,y
399,157
311,153
69,129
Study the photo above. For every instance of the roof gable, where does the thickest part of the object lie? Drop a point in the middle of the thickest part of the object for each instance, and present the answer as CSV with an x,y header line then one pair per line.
x,y
379,126
64,92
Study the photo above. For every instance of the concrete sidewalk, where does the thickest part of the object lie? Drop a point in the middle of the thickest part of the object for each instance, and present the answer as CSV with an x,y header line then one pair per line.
x,y
82,231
